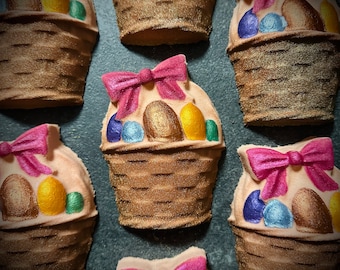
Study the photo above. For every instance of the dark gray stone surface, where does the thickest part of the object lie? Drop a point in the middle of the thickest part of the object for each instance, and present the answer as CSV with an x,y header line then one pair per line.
x,y
210,68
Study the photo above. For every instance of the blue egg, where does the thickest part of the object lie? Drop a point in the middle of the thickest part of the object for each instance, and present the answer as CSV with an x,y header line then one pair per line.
x,y
277,215
248,25
272,22
114,129
253,208
132,132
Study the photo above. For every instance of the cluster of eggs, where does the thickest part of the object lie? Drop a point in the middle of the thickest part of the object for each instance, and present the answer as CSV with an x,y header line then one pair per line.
x,y
19,202
328,20
309,212
160,123
72,7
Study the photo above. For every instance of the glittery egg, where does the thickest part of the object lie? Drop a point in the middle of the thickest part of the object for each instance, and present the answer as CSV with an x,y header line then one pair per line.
x,y
132,132
74,202
272,22
310,212
161,123
61,6
211,130
51,196
277,215
114,129
334,207
253,208
193,122
17,199
77,10
248,25
329,17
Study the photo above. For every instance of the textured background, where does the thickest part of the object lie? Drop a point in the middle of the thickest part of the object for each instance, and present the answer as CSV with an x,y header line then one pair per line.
x,y
210,68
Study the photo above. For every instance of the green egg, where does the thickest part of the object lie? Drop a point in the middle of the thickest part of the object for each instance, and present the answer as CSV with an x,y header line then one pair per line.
x,y
77,10
74,203
211,130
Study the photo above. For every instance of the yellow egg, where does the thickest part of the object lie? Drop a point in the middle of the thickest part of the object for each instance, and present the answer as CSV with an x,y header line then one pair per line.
x,y
51,197
334,208
329,16
61,6
193,122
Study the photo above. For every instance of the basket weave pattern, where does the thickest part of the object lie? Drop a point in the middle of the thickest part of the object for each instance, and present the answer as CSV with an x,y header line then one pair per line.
x,y
164,190
256,251
63,246
288,81
175,18
45,64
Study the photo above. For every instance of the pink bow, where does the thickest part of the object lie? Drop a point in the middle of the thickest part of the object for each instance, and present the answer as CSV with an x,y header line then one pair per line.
x,y
269,164
25,146
262,4
197,263
124,87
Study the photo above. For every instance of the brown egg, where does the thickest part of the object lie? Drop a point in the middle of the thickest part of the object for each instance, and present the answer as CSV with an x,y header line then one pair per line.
x,y
300,15
311,213
17,199
161,123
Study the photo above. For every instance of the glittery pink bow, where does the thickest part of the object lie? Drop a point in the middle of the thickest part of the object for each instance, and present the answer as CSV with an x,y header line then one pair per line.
x,y
25,147
197,263
262,4
124,87
271,165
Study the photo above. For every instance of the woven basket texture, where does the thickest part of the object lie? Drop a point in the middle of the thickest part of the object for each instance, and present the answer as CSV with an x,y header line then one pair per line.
x,y
256,251
161,190
45,64
287,82
152,22
63,246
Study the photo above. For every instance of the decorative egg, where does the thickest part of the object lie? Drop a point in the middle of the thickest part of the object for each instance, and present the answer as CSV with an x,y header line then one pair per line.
x,y
253,208
334,207
114,129
211,130
161,123
51,196
248,25
77,10
74,202
17,199
329,17
61,6
277,215
272,22
311,213
132,132
193,122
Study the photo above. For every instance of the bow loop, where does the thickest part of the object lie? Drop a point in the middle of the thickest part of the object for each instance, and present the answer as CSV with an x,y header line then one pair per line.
x,y
33,141
125,86
270,165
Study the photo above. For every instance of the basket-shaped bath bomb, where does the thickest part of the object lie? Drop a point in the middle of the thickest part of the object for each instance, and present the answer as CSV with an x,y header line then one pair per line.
x,y
162,139
46,49
286,60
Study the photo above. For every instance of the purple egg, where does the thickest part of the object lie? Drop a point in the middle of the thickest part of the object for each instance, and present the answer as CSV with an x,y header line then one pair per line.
x,y
114,129
253,208
248,25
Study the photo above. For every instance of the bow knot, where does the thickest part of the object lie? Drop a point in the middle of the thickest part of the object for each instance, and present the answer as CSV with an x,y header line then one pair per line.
x,y
145,76
124,87
25,146
295,158
316,157
5,149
